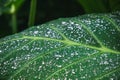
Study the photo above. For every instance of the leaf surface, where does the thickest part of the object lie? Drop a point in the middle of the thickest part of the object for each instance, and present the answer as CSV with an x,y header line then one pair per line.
x,y
80,48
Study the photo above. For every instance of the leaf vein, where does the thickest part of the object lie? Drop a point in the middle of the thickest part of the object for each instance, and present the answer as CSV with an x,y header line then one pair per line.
x,y
10,53
59,32
71,64
112,22
90,32
108,73
68,42
36,58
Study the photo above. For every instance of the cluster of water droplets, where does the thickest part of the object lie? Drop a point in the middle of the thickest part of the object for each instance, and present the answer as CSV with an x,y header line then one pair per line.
x,y
42,53
76,32
44,31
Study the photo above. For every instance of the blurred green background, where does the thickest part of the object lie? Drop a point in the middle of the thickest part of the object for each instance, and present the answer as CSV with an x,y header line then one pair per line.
x,y
48,10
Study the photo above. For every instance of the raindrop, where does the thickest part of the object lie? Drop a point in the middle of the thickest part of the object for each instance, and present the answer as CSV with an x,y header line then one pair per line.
x,y
43,62
111,79
83,77
35,77
59,66
14,67
73,72
35,32
72,22
63,22
70,27
0,51
94,58
106,62
58,55
39,68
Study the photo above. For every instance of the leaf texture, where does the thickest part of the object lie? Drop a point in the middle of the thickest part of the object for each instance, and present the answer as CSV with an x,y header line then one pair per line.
x,y
80,48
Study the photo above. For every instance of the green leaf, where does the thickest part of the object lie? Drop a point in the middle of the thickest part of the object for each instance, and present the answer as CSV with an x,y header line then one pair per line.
x,y
80,48
6,5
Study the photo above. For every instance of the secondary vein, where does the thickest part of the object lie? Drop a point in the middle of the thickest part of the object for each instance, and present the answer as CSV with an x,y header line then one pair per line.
x,y
90,32
112,22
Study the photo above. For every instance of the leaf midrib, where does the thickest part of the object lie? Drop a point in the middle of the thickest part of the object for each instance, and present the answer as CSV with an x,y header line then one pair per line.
x,y
68,42
71,43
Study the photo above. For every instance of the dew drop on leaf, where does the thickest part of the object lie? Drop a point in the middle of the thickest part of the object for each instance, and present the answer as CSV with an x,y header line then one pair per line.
x,y
80,48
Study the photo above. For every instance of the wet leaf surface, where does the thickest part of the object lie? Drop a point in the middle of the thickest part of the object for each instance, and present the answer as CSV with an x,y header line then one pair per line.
x,y
80,48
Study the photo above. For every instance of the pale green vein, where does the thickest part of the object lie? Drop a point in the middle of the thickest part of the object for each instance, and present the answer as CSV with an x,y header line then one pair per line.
x,y
71,64
112,22
108,73
11,52
68,42
90,32
34,59
59,32
63,41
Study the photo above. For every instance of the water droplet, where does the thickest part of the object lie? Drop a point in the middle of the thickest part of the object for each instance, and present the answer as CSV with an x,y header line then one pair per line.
x,y
39,68
35,32
111,79
0,51
59,66
73,71
14,67
43,62
63,23
70,27
106,62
